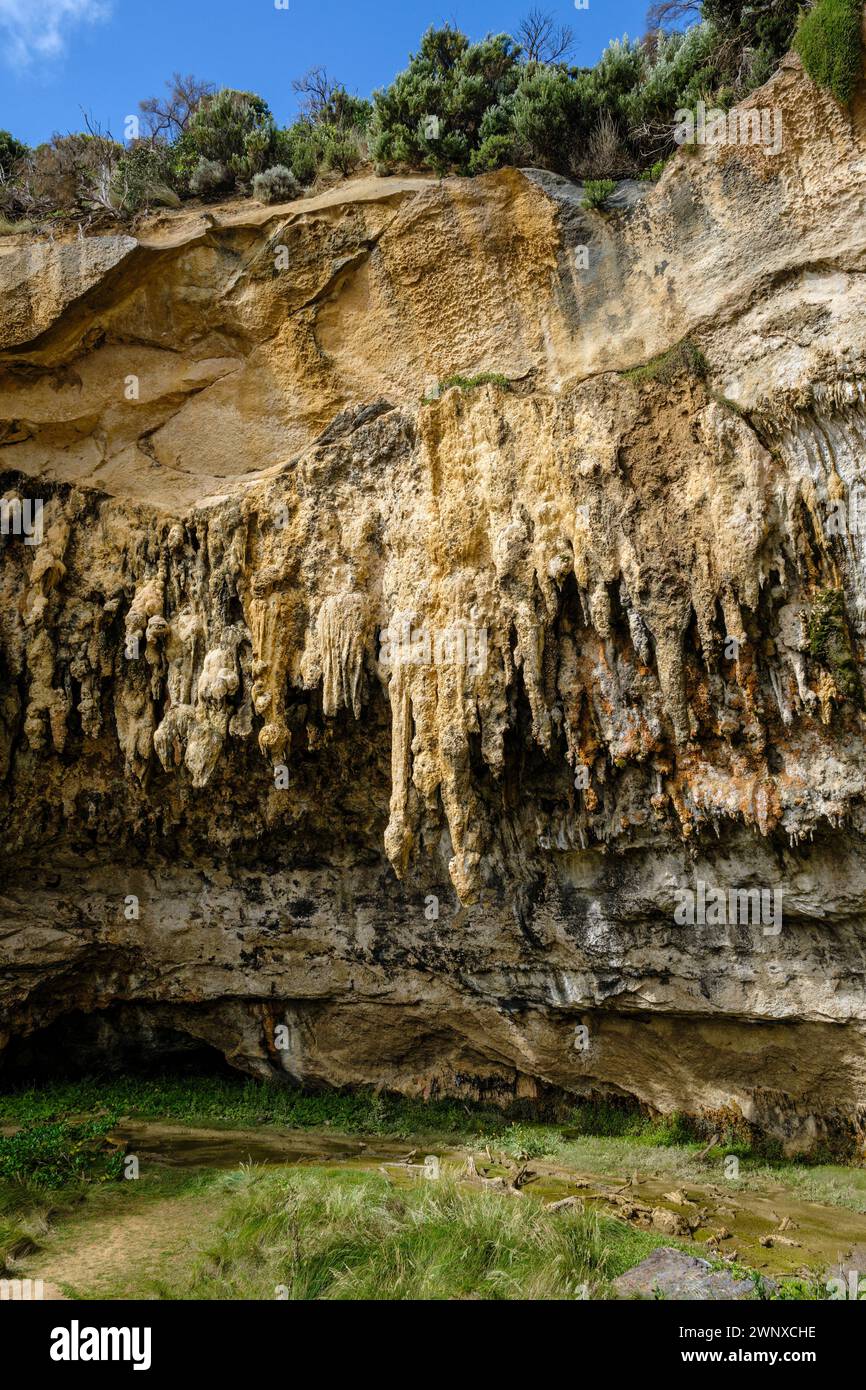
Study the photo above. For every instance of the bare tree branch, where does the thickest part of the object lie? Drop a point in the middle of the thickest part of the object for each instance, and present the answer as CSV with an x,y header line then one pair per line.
x,y
166,118
669,14
316,91
543,40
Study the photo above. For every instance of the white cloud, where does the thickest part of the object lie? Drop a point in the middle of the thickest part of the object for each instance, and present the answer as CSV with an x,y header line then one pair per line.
x,y
33,29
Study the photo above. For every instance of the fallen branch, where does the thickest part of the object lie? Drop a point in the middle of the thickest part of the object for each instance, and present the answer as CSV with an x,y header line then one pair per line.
x,y
703,1153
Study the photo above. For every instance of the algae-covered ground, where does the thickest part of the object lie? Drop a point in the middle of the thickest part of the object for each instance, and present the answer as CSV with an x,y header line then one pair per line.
x,y
224,1189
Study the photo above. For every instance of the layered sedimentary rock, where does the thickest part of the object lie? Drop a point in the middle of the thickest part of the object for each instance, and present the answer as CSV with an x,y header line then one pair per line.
x,y
370,734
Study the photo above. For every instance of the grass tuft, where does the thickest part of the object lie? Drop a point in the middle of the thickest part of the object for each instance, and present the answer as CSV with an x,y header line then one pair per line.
x,y
9,228
344,1236
470,383
684,358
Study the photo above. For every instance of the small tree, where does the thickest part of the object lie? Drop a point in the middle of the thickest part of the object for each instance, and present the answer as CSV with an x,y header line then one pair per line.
x,y
543,40
166,118
432,114
12,152
71,174
13,157
316,92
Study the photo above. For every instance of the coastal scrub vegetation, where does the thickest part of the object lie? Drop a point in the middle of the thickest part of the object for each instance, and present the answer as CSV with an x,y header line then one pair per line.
x,y
459,107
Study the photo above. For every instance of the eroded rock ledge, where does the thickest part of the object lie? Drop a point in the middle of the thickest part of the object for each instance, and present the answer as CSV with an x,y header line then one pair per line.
x,y
634,603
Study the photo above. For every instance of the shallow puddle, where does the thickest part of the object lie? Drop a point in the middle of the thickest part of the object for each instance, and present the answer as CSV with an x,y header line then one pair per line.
x,y
195,1147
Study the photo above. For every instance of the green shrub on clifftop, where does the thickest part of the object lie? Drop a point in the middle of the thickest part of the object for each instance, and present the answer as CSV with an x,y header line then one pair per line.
x,y
829,40
277,185
143,177
235,129
12,151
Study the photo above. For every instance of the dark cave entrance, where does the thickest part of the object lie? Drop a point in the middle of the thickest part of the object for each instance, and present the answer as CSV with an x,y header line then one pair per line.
x,y
121,1040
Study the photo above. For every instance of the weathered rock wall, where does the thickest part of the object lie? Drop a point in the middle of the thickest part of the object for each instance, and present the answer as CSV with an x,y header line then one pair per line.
x,y
401,723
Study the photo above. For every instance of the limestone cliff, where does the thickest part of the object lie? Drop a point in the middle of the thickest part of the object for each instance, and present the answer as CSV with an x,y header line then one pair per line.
x,y
398,718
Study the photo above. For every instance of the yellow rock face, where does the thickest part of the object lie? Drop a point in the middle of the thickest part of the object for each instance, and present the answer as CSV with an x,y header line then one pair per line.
x,y
405,715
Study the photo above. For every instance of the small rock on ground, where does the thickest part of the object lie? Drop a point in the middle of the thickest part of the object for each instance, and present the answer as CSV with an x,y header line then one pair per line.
x,y
671,1274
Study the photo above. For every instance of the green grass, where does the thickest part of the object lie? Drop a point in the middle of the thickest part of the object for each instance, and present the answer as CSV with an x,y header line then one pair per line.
x,y
26,1212
343,1230
55,1153
683,358
8,228
523,1141
531,1128
336,1235
597,191
241,1102
470,383
655,171
614,1121
829,41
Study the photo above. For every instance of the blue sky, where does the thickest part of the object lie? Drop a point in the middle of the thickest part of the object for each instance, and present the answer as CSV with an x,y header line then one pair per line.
x,y
57,56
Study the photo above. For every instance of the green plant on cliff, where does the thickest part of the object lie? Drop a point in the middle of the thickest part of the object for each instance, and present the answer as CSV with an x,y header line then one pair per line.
x,y
654,173
597,191
469,383
684,357
757,33
829,40
830,643
548,119
12,152
209,179
330,133
277,185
